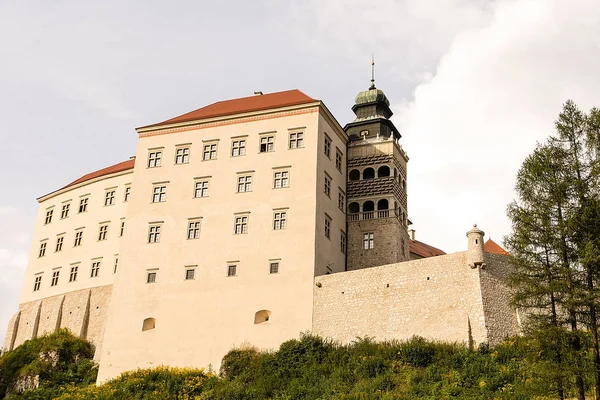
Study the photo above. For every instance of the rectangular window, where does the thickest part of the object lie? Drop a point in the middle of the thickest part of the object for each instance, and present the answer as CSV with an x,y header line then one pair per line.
x,y
159,194
190,274
201,189
267,144
327,146
37,283
368,242
95,269
338,159
42,249
279,220
241,225
182,155
48,216
244,184
296,140
238,148
343,242
116,265
154,234
65,211
122,231
109,198
151,277
193,230
154,159
341,200
210,152
103,232
127,193
327,227
274,267
281,179
55,276
83,203
78,237
327,188
59,243
73,275
231,270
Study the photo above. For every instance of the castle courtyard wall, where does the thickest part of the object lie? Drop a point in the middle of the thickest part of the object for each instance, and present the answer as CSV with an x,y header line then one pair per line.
x,y
437,298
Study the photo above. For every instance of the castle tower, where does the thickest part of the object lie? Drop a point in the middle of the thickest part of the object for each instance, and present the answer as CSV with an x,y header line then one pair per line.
x,y
376,188
475,256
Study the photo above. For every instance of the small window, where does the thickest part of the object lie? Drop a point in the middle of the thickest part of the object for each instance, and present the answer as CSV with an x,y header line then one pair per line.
x,y
95,269
238,148
368,242
354,175
78,238
231,270
244,184
103,232
262,316
368,173
190,274
55,276
193,230
327,227
296,140
122,230
341,200
343,242
154,159
267,144
109,198
241,225
115,265
154,234
338,159
327,188
59,243
48,217
65,211
37,283
274,267
159,194
151,277
148,324
279,220
182,155
73,274
383,171
201,189
281,179
210,152
127,193
83,203
42,252
327,146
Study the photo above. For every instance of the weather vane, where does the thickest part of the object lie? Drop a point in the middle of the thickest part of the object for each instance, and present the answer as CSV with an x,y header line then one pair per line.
x,y
372,71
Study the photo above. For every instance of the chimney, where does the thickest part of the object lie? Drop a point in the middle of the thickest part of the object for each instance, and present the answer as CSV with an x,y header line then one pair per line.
x,y
132,158
411,234
259,93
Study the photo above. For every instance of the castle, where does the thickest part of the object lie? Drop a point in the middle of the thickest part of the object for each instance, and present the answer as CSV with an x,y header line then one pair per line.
x,y
249,221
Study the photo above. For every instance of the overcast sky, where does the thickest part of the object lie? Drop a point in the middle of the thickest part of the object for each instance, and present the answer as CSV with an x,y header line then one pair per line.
x,y
473,84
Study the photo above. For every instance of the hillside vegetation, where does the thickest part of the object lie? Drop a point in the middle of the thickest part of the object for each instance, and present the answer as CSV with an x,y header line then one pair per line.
x,y
308,368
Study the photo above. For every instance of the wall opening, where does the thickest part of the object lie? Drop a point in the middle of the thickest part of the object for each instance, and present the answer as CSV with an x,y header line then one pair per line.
x,y
354,175
383,171
368,173
383,204
149,324
368,206
262,316
353,208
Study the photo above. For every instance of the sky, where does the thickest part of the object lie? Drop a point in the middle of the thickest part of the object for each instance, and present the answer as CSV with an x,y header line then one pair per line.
x,y
474,84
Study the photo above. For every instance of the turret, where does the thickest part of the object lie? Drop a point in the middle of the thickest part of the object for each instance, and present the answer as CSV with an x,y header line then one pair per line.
x,y
475,252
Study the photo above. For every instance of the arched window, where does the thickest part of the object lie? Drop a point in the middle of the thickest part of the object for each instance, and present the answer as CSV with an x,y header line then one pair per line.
x,y
368,206
383,171
383,204
395,174
368,173
354,175
149,324
353,208
403,184
262,316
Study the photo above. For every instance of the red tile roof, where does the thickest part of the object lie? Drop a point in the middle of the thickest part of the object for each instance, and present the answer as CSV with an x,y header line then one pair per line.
x,y
242,105
492,247
122,166
424,250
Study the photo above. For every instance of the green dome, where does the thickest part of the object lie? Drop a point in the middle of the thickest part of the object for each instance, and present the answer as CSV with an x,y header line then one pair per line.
x,y
371,96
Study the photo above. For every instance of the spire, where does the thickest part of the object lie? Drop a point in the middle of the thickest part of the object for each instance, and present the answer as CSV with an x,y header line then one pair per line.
x,y
372,71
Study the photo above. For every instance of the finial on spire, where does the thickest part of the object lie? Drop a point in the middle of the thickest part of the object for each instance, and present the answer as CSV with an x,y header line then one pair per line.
x,y
372,71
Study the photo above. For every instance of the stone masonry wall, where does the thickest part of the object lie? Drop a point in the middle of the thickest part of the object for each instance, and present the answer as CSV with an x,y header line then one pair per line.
x,y
437,298
83,312
389,237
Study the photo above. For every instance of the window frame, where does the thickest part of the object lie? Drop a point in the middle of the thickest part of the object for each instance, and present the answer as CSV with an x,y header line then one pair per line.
x,y
327,145
159,191
78,237
280,219
194,229
109,197
83,204
154,158
244,219
60,241
281,179
244,181
73,273
327,222
339,159
55,277
298,138
343,242
43,248
239,144
368,240
49,215
154,231
207,149
103,231
185,157
95,268
127,194
64,213
231,269
269,143
37,282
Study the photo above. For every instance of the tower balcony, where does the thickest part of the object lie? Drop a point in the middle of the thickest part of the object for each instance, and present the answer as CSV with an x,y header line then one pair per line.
x,y
376,214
